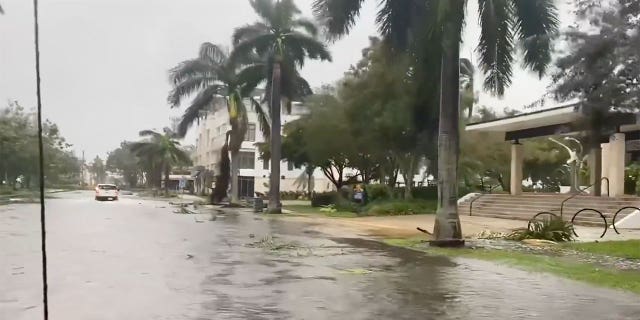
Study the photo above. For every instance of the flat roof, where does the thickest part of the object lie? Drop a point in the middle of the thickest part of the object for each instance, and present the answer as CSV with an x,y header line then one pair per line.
x,y
561,114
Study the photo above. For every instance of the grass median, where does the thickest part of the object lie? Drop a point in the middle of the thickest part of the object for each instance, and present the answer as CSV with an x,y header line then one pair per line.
x,y
563,266
376,208
629,249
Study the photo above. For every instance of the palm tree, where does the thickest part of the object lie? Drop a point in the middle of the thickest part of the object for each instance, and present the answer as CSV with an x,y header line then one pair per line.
x,y
285,41
467,95
531,22
163,149
212,75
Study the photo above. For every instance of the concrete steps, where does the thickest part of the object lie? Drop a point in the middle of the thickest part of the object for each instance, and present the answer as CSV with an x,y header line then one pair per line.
x,y
524,207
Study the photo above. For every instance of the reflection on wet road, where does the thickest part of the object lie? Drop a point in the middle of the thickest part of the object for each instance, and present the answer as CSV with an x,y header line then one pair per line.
x,y
134,259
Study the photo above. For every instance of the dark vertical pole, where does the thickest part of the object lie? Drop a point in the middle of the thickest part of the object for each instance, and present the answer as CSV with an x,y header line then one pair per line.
x,y
43,233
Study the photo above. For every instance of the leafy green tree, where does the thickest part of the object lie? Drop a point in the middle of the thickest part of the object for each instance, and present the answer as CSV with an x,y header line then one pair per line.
x,y
123,161
212,75
531,22
312,142
379,102
98,170
601,69
285,41
19,152
162,150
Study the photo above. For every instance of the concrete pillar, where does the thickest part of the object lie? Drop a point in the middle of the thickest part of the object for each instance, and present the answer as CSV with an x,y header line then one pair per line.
x,y
517,157
605,167
616,164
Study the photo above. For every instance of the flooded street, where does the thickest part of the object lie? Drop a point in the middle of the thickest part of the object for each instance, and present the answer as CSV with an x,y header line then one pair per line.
x,y
135,259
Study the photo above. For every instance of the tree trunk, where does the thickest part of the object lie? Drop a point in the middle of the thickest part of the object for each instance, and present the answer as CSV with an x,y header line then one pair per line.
x,y
276,141
310,181
408,182
167,172
407,175
235,158
447,230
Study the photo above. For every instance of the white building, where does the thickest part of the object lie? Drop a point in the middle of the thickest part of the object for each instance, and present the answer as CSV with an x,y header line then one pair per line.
x,y
254,172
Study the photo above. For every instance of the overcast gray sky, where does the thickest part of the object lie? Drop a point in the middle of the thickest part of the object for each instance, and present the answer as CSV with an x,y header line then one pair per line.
x,y
105,62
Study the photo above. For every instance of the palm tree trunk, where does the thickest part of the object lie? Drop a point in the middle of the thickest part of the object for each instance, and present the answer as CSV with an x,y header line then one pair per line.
x,y
166,178
310,171
276,141
235,158
447,231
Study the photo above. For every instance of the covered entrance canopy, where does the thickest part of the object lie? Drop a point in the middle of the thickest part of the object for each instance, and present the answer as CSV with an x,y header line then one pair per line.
x,y
565,119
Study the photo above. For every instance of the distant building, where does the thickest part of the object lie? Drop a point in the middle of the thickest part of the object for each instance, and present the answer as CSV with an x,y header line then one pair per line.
x,y
254,172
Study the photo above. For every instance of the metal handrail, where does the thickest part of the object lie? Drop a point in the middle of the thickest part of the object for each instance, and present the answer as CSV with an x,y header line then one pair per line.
x,y
480,196
582,190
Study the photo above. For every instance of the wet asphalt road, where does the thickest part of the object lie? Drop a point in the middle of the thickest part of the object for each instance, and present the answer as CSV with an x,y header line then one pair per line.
x,y
135,259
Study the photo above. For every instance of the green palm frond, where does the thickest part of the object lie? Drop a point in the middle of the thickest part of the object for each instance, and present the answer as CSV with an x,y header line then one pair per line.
x,y
192,68
260,44
178,155
496,44
1,10
200,104
213,54
312,48
338,16
188,87
264,9
397,20
285,11
263,118
149,133
249,31
250,77
536,22
306,24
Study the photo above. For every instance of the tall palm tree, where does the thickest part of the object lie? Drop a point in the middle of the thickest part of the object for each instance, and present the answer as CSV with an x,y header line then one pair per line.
x,y
467,95
285,40
532,22
212,75
163,148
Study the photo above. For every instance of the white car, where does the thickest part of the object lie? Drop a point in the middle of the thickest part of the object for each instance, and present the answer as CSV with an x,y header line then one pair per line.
x,y
107,192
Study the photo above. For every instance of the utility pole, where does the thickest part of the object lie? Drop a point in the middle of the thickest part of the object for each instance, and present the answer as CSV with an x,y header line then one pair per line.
x,y
82,170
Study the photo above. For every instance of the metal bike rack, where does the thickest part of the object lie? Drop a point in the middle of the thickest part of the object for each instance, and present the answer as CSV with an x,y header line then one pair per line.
x,y
590,209
613,223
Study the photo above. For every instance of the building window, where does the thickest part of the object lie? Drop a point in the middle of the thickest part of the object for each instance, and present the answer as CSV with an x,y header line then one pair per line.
x,y
289,165
247,160
265,164
250,135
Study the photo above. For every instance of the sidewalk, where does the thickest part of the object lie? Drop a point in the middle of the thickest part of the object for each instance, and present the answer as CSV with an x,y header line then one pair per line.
x,y
405,226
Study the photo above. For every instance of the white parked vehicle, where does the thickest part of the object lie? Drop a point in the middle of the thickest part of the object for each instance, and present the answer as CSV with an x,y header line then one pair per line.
x,y
107,192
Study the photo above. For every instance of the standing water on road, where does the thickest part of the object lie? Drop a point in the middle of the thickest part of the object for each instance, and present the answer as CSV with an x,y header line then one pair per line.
x,y
135,259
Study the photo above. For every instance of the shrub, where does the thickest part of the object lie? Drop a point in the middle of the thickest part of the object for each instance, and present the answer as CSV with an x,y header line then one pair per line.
x,y
293,195
345,205
425,193
552,229
378,192
400,207
324,198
